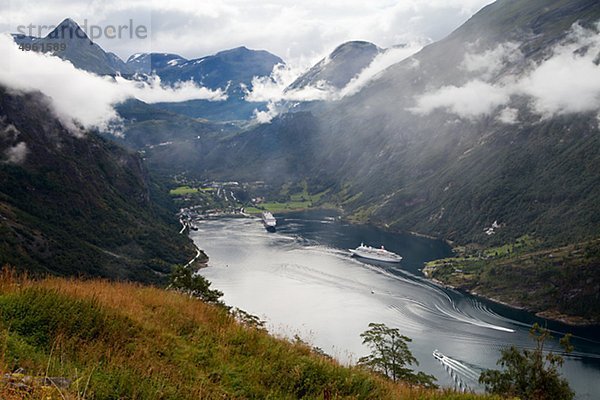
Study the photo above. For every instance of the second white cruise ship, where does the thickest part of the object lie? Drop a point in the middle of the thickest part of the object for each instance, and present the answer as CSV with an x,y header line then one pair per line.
x,y
269,221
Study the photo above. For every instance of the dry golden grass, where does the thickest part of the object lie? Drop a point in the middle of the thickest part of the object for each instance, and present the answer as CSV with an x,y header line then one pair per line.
x,y
155,344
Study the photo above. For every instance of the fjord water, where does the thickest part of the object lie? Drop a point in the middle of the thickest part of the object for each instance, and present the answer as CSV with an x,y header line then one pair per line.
x,y
302,281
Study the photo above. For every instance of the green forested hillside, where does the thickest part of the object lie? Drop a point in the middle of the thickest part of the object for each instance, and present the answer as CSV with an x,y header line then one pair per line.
x,y
560,283
76,204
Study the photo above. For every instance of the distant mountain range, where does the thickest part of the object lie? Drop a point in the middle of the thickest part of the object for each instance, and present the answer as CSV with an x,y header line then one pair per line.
x,y
438,173
229,70
226,68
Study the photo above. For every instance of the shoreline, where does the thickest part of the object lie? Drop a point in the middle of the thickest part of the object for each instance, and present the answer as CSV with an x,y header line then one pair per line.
x,y
550,315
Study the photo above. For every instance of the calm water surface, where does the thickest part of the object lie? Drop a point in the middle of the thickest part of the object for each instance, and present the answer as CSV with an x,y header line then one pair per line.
x,y
302,281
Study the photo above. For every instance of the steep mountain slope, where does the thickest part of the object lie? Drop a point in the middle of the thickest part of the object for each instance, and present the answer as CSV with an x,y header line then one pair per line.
x,y
78,205
77,48
273,152
452,172
147,126
337,69
453,175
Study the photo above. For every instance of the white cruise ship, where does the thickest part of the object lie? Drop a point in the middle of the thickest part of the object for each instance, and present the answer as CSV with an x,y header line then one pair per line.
x,y
376,254
269,221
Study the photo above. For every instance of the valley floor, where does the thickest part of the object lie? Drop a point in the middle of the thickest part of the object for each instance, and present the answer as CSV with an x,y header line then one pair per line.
x,y
561,284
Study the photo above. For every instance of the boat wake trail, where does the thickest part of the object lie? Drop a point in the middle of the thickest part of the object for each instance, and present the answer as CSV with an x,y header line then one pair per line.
x,y
465,377
443,306
459,315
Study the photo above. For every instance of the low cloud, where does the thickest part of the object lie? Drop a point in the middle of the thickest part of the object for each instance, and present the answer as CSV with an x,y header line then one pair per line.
x,y
16,154
152,91
567,82
475,99
490,62
264,117
274,89
82,98
9,132
13,154
381,62
508,116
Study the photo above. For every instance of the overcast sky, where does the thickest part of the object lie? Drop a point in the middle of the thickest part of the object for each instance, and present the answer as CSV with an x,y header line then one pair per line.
x,y
300,31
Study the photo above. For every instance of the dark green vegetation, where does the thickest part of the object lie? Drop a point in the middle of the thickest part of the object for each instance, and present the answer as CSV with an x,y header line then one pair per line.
x,y
125,341
391,356
530,374
147,126
234,109
276,153
184,280
80,205
558,283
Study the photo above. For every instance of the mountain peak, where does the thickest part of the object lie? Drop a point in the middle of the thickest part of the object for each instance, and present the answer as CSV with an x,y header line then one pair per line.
x,y
339,67
69,22
68,29
236,51
355,46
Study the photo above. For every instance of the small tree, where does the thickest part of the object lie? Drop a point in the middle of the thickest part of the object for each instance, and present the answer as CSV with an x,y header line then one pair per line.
x,y
390,355
530,374
183,279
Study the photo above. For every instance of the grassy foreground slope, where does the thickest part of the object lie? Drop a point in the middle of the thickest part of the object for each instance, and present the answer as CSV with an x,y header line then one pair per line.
x,y
128,341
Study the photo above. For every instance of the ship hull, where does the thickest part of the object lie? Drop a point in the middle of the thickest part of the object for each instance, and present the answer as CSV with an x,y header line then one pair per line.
x,y
270,228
